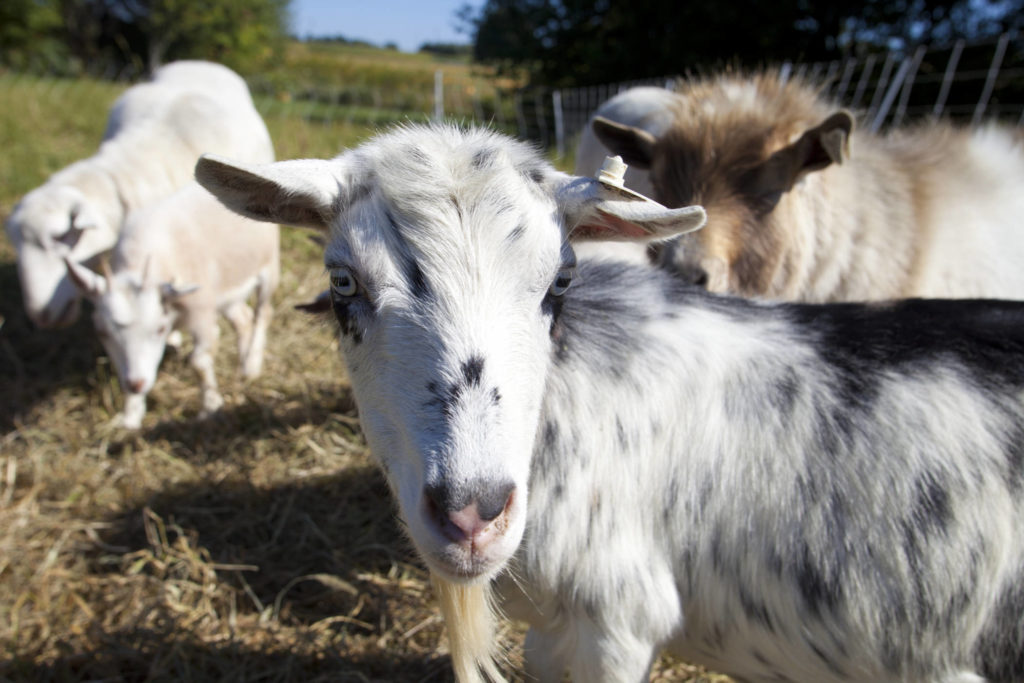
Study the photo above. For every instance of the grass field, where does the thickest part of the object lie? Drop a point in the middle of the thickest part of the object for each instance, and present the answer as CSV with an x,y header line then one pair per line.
x,y
259,545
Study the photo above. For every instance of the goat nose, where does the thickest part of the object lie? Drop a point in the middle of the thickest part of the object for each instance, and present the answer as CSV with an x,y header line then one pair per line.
x,y
136,385
473,519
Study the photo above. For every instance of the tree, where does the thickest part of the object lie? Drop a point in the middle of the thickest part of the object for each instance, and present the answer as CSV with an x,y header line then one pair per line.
x,y
579,42
139,35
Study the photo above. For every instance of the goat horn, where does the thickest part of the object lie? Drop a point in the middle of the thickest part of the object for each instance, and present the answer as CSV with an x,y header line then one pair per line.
x,y
105,267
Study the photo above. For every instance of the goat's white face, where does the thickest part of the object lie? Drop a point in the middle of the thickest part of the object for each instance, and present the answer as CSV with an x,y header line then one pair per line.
x,y
447,255
133,319
47,226
446,338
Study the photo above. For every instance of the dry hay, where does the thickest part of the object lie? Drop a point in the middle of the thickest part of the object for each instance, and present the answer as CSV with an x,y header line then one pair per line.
x,y
257,546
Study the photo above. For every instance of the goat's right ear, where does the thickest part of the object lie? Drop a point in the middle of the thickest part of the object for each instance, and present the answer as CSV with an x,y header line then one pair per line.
x,y
594,210
634,145
302,192
88,283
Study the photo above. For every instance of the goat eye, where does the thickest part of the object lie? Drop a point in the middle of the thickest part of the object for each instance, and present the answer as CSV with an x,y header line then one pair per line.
x,y
343,284
562,281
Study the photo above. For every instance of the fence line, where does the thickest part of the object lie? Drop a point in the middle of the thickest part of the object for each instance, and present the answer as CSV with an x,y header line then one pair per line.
x,y
969,82
961,81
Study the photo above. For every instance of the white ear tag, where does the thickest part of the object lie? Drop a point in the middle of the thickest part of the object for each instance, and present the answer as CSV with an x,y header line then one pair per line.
x,y
612,175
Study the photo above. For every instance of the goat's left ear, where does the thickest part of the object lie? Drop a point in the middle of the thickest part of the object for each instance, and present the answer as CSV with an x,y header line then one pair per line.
x,y
302,192
596,211
819,147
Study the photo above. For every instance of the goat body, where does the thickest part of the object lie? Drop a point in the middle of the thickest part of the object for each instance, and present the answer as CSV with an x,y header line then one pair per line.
x,y
155,132
779,491
803,207
178,264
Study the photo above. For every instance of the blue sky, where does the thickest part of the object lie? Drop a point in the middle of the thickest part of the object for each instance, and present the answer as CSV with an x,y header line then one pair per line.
x,y
408,23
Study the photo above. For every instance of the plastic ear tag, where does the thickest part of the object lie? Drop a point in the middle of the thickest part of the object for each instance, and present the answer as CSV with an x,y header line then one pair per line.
x,y
612,175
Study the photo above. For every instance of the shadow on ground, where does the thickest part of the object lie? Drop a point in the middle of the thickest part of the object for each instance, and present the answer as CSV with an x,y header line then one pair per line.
x,y
36,363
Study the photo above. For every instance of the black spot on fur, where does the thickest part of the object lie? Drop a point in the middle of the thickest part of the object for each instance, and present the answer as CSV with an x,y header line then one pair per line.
x,y
446,398
472,371
755,610
534,173
785,389
361,190
483,158
347,317
1014,448
417,282
517,233
864,342
550,435
820,586
931,512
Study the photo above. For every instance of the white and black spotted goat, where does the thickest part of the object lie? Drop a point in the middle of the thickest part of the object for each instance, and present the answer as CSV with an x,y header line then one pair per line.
x,y
781,492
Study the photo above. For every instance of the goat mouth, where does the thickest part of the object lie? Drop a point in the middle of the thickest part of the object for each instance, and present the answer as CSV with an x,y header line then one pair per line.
x,y
458,564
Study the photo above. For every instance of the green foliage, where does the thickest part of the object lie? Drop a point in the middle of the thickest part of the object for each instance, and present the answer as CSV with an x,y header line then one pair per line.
x,y
243,34
461,51
581,42
28,34
117,36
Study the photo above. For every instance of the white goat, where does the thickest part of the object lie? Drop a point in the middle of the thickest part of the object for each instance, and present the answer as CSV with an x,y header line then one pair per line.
x,y
154,135
645,108
178,263
782,492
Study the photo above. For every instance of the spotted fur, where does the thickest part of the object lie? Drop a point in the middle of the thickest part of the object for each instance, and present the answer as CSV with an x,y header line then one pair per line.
x,y
781,492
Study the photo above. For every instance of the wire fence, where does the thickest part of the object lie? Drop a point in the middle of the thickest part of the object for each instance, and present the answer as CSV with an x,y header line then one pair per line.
x,y
966,82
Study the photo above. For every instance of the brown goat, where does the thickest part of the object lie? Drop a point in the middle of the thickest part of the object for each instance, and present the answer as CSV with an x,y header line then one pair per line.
x,y
795,213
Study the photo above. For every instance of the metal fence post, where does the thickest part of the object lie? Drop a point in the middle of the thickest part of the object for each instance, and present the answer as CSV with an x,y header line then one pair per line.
x,y
908,83
947,77
990,80
890,94
883,81
556,104
438,95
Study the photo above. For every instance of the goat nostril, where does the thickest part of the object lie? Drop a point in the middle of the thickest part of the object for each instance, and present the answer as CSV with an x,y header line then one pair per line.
x,y
136,385
461,518
496,502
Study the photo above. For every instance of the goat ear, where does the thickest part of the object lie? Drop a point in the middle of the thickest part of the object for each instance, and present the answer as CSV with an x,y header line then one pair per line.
x,y
302,192
82,218
88,283
321,304
170,291
819,147
597,211
634,145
